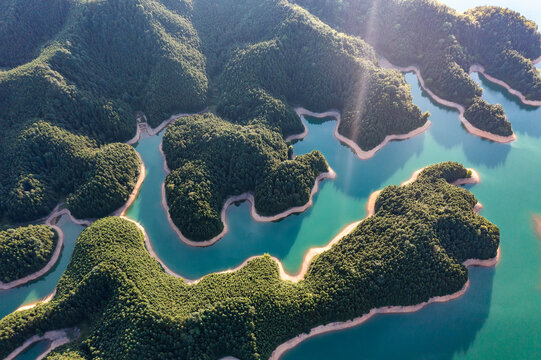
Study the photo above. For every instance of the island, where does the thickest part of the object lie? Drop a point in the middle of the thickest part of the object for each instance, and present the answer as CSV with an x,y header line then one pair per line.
x,y
416,247
224,86
68,84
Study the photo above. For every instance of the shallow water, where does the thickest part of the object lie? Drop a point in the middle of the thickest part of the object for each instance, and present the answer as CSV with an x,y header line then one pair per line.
x,y
500,314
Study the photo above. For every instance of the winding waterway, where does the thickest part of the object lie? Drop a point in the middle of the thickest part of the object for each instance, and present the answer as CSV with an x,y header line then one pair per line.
x,y
499,316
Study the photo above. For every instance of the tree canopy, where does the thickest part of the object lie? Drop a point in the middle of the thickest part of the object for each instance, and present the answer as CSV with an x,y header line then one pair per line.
x,y
412,249
25,250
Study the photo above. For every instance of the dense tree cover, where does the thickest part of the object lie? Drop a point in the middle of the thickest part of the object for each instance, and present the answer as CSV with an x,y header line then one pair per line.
x,y
46,163
444,44
25,250
211,159
480,110
291,57
84,67
409,251
505,44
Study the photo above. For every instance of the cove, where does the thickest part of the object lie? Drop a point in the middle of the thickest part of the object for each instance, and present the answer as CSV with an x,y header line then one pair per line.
x,y
498,316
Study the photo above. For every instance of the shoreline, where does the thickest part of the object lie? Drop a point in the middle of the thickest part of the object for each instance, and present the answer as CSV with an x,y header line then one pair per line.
x,y
336,326
50,221
56,213
135,192
481,69
460,108
343,325
56,337
537,224
144,126
361,154
247,196
312,252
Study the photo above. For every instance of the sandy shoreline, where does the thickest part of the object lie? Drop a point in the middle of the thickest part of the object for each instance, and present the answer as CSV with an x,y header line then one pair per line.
x,y
253,212
481,69
142,174
469,127
55,337
337,326
143,125
361,154
537,223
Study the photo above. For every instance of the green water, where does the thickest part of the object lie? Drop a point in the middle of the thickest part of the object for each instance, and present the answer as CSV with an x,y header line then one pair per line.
x,y
10,300
500,315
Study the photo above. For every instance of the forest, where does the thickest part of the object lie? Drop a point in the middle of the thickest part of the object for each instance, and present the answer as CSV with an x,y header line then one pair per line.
x,y
47,163
25,250
445,47
412,249
211,159
84,68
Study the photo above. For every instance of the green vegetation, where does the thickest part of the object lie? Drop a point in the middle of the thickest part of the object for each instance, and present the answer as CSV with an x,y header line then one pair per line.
x,y
292,58
409,251
212,159
505,44
85,67
444,44
47,162
25,250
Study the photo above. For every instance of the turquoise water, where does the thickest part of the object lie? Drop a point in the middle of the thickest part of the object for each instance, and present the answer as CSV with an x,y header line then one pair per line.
x,y
12,299
499,316
34,351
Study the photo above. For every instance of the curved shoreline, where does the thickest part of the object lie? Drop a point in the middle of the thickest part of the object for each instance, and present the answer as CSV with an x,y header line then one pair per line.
x,y
537,224
247,196
56,337
56,254
312,252
481,69
460,108
143,125
142,175
342,325
361,154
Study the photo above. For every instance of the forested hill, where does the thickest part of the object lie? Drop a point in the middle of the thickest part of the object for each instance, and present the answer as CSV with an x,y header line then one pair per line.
x,y
212,159
84,67
408,252
25,250
444,44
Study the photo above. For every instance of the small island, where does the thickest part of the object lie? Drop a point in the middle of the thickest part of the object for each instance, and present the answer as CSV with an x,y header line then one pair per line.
x,y
70,91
